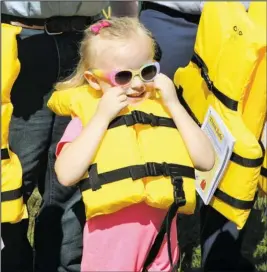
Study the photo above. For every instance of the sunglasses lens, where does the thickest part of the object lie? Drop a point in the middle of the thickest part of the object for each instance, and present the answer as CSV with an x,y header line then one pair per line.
x,y
149,72
123,77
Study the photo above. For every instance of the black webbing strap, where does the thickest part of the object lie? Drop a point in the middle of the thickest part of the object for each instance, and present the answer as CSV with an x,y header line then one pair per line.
x,y
227,101
11,195
264,172
234,202
4,154
250,163
95,180
179,200
139,117
179,92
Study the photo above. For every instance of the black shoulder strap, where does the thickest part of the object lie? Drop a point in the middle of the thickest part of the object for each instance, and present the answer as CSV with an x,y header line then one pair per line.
x,y
227,101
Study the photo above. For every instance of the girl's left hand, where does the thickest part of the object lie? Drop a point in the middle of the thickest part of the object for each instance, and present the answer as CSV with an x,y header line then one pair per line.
x,y
167,89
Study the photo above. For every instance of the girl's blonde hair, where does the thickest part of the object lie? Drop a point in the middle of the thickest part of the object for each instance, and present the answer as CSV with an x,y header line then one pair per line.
x,y
120,29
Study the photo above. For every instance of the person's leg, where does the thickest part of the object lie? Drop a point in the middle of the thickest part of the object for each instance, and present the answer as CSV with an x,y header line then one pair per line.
x,y
175,36
30,129
62,211
16,256
221,242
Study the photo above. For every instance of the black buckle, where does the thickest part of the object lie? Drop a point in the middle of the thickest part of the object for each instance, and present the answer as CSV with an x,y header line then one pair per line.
x,y
150,169
178,191
153,120
205,76
94,178
138,117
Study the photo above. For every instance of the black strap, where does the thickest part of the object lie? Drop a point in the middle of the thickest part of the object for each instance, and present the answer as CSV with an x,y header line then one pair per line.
x,y
234,202
4,154
264,172
139,117
11,195
95,180
227,101
250,163
179,200
179,92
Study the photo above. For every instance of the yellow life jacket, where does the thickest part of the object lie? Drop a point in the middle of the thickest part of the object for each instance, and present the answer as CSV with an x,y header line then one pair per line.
x,y
226,53
12,207
141,149
254,110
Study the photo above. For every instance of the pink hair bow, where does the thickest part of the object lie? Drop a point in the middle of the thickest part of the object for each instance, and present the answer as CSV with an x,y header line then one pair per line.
x,y
98,26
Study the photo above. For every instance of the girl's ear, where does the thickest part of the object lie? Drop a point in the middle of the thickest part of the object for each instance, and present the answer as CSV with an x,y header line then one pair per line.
x,y
92,81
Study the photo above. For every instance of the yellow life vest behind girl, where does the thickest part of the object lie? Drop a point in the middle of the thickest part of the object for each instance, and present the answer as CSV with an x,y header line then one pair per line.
x,y
227,51
141,149
12,207
254,109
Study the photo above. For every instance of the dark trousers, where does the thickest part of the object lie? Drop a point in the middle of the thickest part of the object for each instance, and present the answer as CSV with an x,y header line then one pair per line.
x,y
221,243
34,133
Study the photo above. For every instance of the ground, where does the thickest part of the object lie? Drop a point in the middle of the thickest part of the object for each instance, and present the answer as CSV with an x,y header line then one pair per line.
x,y
254,246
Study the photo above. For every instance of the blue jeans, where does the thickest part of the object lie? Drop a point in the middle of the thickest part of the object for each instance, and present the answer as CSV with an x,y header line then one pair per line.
x,y
34,133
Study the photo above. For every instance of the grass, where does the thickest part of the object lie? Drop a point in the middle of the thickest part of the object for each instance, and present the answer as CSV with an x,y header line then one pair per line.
x,y
254,245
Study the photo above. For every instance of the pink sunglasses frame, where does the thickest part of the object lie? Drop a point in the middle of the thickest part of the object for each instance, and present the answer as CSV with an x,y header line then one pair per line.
x,y
112,75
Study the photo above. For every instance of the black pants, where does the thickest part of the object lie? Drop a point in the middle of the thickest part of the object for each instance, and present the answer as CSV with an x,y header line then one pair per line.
x,y
34,133
221,243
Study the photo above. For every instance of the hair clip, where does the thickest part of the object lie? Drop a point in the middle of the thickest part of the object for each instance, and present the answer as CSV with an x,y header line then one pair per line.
x,y
98,26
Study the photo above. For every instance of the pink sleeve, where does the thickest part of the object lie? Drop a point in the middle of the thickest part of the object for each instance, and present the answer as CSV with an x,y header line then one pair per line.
x,y
73,130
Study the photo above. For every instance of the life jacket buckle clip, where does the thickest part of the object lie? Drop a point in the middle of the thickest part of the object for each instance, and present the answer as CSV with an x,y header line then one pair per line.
x,y
150,169
205,76
138,117
178,191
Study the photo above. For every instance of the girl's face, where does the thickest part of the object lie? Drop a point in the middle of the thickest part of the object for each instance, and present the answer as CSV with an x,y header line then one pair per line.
x,y
126,64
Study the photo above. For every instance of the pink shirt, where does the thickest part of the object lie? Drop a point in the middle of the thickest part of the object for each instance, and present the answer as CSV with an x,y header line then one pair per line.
x,y
122,240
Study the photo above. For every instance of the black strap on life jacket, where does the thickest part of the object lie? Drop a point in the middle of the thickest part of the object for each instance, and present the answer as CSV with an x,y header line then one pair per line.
x,y
227,101
234,202
139,117
165,229
264,172
4,154
179,92
150,169
11,195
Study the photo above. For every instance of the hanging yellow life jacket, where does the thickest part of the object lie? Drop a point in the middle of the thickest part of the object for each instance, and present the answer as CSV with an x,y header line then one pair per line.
x,y
254,109
226,53
141,149
12,207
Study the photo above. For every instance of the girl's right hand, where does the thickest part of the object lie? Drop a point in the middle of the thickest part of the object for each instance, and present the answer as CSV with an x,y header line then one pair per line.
x,y
111,103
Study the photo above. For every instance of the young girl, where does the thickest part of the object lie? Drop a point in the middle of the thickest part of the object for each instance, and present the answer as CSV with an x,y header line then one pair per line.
x,y
133,156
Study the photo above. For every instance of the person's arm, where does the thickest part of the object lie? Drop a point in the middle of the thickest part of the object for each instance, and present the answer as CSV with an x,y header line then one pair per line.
x,y
76,157
197,143
124,8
